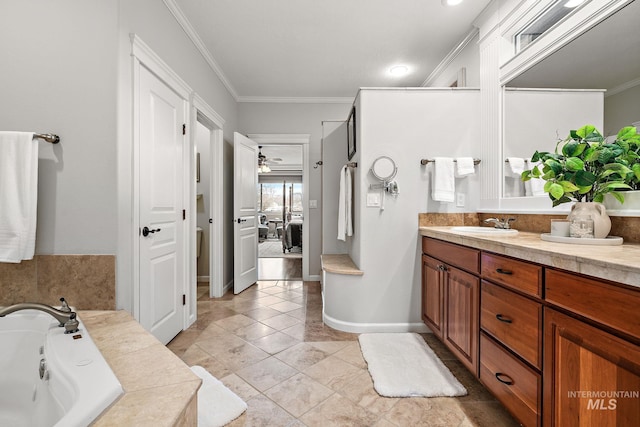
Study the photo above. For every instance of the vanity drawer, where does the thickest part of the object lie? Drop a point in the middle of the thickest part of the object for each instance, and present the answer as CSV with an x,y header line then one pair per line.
x,y
465,258
609,304
516,385
514,320
519,275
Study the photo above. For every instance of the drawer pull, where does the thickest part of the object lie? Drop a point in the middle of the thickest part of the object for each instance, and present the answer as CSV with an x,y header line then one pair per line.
x,y
503,319
507,272
508,381
442,267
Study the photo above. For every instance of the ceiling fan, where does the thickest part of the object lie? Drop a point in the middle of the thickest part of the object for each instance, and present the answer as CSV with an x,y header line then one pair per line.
x,y
263,167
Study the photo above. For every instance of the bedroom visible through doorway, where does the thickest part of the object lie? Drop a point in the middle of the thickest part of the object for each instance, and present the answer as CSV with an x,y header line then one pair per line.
x,y
280,199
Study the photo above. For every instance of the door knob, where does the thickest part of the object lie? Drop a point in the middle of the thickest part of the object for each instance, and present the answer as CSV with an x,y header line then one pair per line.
x,y
146,231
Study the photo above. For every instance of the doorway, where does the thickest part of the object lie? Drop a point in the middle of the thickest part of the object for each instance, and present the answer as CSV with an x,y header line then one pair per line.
x,y
283,204
207,260
280,209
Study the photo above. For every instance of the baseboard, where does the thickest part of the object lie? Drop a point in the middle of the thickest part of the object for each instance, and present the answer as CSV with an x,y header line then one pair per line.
x,y
203,278
360,328
313,278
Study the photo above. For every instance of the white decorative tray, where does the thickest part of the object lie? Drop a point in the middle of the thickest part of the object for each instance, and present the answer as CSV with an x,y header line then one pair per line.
x,y
607,241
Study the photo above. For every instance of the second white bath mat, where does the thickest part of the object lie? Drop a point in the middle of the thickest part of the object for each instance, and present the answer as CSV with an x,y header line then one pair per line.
x,y
403,365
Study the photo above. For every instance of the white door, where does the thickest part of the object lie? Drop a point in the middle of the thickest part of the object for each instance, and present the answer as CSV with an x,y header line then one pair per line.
x,y
245,212
162,115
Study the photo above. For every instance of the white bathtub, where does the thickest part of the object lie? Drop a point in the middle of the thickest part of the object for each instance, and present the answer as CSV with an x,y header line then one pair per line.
x,y
80,384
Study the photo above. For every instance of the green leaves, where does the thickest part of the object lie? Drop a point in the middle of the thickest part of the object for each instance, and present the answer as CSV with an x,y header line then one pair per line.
x,y
574,164
585,167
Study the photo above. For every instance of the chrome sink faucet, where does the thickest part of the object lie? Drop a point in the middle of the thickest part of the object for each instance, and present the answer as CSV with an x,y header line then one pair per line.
x,y
64,316
503,224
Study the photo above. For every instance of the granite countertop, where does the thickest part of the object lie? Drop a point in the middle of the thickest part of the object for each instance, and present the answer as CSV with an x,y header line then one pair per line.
x,y
339,264
159,389
616,263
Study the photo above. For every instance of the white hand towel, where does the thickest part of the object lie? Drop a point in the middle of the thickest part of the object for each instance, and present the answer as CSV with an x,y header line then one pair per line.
x,y
18,195
535,186
443,186
349,201
345,204
516,164
464,167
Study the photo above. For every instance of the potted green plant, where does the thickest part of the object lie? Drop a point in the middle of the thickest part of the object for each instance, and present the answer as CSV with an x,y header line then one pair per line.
x,y
629,139
583,168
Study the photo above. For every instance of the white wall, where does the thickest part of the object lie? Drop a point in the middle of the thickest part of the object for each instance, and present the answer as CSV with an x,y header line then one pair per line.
x,y
59,76
156,26
406,125
621,109
536,119
297,119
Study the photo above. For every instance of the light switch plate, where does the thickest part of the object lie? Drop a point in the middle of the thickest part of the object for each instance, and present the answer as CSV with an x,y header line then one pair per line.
x,y
460,200
313,204
373,199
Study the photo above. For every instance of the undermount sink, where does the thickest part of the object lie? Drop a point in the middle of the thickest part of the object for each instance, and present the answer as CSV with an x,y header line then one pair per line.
x,y
485,230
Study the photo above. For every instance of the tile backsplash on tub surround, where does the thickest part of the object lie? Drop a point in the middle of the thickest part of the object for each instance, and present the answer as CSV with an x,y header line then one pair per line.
x,y
86,281
627,227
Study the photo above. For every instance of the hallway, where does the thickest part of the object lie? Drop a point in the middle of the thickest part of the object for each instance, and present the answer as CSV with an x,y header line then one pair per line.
x,y
269,345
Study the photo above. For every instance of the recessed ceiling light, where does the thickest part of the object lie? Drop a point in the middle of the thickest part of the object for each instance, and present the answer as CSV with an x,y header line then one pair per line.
x,y
573,3
451,2
399,70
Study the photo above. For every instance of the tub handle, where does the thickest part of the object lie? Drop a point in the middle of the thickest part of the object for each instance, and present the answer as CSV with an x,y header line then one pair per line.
x,y
44,373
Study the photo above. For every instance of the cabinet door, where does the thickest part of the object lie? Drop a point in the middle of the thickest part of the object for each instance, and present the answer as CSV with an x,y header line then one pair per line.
x,y
591,378
461,316
432,294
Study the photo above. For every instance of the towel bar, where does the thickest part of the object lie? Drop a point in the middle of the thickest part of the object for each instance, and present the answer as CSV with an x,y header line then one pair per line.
x,y
49,137
425,161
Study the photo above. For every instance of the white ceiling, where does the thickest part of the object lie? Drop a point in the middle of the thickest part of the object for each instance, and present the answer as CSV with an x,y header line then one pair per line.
x,y
605,57
324,48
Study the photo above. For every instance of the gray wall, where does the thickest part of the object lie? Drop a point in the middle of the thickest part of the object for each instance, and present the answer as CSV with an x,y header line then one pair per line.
x,y
67,70
297,118
59,75
621,109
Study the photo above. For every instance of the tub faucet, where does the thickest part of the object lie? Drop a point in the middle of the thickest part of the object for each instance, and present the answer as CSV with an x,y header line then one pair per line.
x,y
503,224
65,318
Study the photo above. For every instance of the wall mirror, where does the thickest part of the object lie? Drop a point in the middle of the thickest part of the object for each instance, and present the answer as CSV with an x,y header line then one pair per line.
x,y
384,168
605,58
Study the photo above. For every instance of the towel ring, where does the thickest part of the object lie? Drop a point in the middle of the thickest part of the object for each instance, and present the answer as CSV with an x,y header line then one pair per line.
x,y
384,168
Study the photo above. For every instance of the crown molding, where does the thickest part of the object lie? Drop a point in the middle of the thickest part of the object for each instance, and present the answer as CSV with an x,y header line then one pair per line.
x,y
623,87
295,100
451,56
199,44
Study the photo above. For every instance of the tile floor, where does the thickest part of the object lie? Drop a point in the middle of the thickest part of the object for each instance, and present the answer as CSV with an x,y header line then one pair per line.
x,y
269,345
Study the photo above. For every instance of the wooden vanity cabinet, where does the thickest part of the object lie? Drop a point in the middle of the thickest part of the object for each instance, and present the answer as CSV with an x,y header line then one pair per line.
x,y
451,296
585,369
511,334
433,295
556,348
591,352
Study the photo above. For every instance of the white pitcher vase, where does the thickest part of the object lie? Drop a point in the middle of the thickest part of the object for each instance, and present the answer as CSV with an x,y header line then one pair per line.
x,y
597,212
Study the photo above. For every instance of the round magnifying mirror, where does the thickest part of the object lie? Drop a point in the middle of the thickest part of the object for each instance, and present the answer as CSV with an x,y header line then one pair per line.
x,y
384,168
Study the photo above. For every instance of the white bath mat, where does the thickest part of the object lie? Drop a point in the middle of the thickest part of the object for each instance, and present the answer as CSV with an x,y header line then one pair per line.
x,y
403,365
217,405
